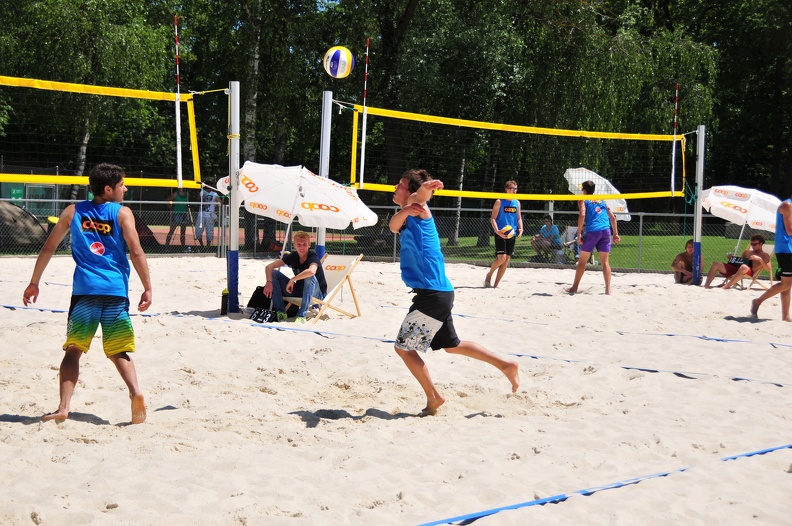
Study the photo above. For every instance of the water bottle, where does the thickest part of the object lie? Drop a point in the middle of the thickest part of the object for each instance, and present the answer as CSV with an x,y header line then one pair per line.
x,y
224,303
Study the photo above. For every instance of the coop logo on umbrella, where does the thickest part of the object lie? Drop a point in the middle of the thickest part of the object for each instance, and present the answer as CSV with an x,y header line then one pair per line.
x,y
283,213
249,184
257,206
319,206
736,208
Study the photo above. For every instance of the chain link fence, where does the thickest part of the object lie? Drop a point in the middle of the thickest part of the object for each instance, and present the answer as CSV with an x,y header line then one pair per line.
x,y
649,242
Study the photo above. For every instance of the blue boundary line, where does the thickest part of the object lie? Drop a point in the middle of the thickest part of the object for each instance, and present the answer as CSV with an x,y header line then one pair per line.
x,y
281,327
686,375
61,311
706,338
472,316
470,517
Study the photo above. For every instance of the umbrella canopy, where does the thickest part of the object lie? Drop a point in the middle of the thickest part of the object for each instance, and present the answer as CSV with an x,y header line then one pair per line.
x,y
742,206
577,176
286,193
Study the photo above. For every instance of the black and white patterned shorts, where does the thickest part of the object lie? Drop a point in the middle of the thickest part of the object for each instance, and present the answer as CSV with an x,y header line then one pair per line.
x,y
428,323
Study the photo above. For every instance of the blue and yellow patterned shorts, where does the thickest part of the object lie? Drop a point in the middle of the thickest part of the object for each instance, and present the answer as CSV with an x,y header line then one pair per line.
x,y
112,312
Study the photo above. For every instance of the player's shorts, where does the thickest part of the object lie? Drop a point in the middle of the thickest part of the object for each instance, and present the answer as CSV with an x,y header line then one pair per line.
x,y
784,262
504,246
86,313
429,323
600,239
731,270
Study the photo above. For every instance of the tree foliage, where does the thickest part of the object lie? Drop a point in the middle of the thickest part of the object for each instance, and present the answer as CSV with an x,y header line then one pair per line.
x,y
611,65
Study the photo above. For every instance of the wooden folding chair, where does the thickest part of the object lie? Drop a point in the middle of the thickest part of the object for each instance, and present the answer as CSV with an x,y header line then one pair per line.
x,y
337,271
768,249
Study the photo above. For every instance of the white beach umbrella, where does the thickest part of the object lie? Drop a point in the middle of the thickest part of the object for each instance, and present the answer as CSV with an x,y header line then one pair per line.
x,y
286,193
577,176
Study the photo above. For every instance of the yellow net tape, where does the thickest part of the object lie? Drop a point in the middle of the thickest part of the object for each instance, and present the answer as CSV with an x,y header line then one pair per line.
x,y
111,92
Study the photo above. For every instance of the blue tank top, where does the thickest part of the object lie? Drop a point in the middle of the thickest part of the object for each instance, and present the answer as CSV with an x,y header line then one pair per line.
x,y
99,251
422,262
596,216
507,215
783,241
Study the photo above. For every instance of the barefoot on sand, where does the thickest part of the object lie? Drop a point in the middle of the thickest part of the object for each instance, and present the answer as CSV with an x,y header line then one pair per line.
x,y
138,409
754,309
57,416
512,372
432,407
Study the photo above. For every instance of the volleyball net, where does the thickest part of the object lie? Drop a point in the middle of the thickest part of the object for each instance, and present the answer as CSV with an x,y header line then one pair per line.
x,y
474,159
41,143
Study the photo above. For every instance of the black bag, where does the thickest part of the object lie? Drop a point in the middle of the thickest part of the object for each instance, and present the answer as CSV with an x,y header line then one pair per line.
x,y
258,300
264,316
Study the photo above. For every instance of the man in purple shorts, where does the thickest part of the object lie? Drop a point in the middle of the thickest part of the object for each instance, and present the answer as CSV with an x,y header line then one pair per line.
x,y
599,222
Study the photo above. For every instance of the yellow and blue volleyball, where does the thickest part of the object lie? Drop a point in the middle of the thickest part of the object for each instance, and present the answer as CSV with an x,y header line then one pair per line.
x,y
338,62
508,231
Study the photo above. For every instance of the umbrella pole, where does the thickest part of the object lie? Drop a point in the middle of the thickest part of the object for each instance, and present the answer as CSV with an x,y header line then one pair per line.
x,y
286,238
737,246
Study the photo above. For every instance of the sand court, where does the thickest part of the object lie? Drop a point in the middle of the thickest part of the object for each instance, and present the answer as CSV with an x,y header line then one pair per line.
x,y
316,424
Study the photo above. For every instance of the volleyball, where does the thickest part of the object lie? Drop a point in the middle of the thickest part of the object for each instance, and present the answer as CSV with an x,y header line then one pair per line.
x,y
338,62
508,231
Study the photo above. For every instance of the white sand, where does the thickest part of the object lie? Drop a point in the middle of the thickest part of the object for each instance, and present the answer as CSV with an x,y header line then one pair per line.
x,y
254,426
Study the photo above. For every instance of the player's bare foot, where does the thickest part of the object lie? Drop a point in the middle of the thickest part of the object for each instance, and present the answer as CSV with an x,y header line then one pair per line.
x,y
570,290
432,407
512,372
754,309
57,416
138,409
487,283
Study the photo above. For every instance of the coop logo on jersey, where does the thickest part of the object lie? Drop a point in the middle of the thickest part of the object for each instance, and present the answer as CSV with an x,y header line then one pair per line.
x,y
319,206
335,268
510,209
257,206
100,227
97,248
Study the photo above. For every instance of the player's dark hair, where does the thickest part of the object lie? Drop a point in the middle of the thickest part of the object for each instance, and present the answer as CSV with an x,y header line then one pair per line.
x,y
416,178
104,174
588,187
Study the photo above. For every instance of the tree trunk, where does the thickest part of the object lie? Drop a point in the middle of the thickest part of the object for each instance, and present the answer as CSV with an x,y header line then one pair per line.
x,y
81,155
453,236
251,12
490,176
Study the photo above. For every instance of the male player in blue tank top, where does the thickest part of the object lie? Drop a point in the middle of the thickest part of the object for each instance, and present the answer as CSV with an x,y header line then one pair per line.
x,y
505,213
599,222
429,323
101,230
783,254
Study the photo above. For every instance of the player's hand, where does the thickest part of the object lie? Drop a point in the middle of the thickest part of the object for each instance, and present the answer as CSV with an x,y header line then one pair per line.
x,y
30,295
616,239
433,184
268,289
414,209
145,301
